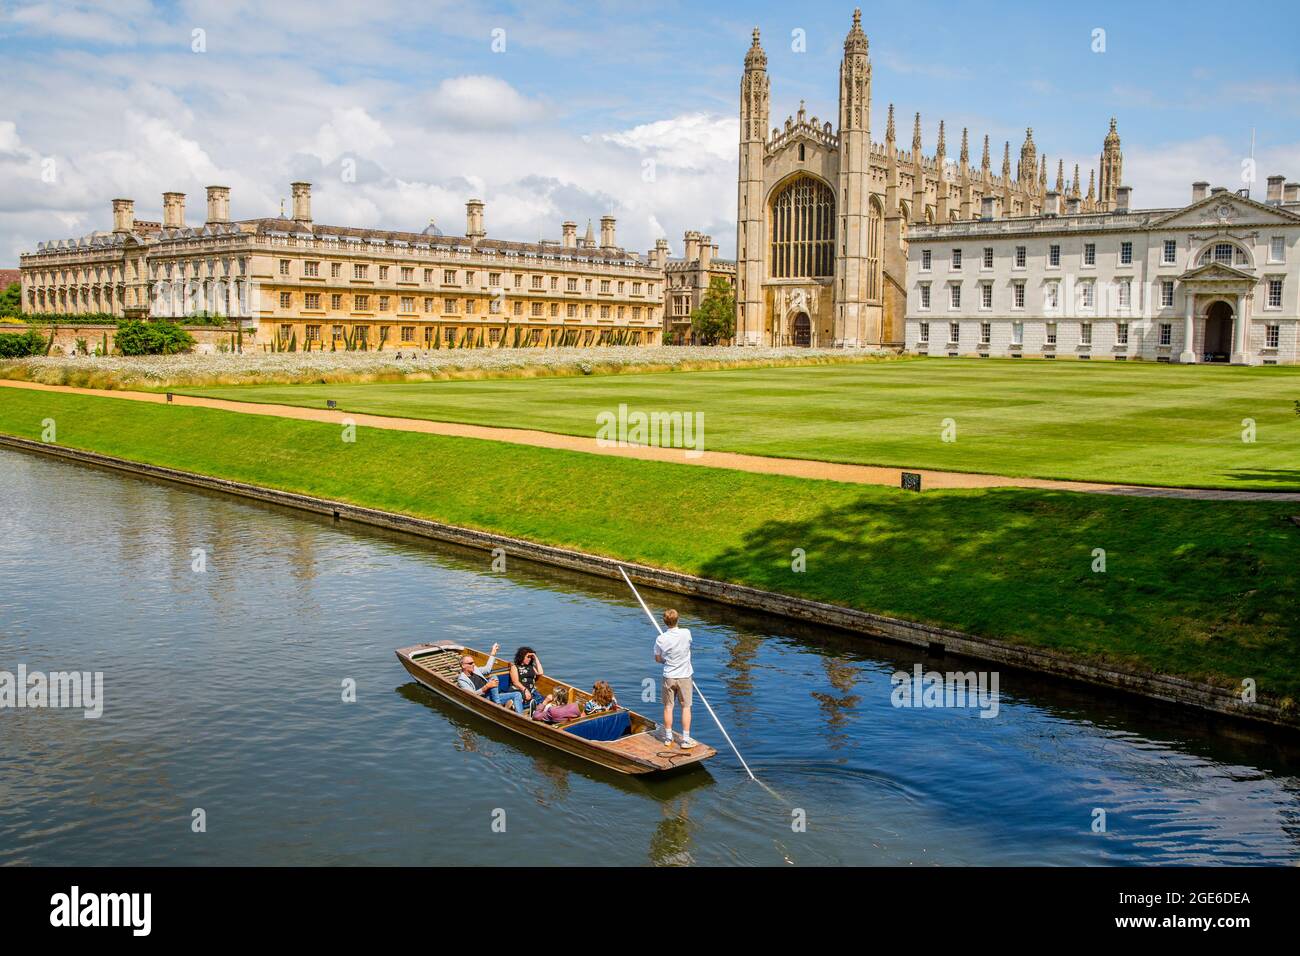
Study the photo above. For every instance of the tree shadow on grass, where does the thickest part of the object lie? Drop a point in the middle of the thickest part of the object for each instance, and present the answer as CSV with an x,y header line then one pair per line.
x,y
1183,589
1287,478
998,563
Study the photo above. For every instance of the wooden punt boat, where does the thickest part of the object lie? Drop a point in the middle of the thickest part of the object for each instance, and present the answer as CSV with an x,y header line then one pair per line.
x,y
620,740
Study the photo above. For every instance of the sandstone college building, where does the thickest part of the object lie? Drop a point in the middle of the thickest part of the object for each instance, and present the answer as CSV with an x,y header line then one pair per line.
x,y
319,286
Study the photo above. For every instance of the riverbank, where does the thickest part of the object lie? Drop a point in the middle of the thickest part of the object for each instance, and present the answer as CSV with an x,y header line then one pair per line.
x,y
1194,591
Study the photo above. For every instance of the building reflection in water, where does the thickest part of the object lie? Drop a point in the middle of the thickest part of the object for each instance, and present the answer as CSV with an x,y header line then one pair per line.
x,y
670,843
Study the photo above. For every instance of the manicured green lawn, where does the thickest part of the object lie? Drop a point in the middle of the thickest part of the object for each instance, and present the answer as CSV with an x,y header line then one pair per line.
x,y
1142,423
1201,589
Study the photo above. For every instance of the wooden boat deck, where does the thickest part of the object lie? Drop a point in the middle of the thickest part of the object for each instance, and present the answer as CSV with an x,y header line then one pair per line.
x,y
647,746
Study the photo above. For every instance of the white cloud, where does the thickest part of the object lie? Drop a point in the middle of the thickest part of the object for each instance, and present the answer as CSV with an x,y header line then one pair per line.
x,y
1162,175
482,102
349,130
692,141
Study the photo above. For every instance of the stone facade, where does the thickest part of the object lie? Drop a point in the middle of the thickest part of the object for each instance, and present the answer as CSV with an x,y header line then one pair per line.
x,y
319,285
687,279
1217,280
824,212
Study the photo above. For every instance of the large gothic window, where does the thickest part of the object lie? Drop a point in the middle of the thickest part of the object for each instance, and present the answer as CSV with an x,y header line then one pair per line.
x,y
803,231
875,243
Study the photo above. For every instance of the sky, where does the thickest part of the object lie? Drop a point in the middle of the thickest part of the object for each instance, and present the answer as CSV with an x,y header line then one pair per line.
x,y
398,112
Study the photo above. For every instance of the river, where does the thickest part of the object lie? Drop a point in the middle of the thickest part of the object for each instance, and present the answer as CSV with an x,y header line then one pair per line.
x,y
227,631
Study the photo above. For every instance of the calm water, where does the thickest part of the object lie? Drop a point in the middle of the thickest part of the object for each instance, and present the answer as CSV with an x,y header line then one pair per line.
x,y
223,692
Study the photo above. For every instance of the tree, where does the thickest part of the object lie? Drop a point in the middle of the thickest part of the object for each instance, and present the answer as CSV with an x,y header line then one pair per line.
x,y
11,300
715,319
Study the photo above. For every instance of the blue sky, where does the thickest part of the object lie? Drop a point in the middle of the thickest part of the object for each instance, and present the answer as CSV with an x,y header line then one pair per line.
x,y
565,121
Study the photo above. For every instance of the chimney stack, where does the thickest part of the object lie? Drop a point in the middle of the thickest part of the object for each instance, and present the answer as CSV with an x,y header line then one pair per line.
x,y
1200,190
1275,189
691,242
218,204
659,258
989,208
123,215
301,201
706,252
173,210
1052,203
1291,193
569,232
607,240
1123,195
474,219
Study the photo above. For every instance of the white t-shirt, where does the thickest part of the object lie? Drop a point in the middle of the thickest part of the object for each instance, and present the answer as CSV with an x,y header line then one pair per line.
x,y
674,646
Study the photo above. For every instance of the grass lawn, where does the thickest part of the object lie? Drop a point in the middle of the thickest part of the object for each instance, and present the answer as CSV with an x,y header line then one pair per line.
x,y
1205,590
1141,422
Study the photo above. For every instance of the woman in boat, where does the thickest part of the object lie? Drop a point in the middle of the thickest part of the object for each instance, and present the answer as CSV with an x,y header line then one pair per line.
x,y
556,707
602,699
524,671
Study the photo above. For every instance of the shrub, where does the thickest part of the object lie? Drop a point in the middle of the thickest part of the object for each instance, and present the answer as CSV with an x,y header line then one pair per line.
x,y
70,318
21,345
152,338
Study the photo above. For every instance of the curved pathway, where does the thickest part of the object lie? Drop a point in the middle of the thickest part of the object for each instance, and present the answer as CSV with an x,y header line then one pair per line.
x,y
793,467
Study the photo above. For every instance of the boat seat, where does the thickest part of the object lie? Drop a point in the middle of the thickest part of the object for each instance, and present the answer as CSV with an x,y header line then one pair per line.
x,y
444,663
605,727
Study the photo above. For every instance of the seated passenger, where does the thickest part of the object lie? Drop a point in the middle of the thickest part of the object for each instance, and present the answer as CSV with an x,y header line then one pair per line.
x,y
556,707
602,699
524,671
478,680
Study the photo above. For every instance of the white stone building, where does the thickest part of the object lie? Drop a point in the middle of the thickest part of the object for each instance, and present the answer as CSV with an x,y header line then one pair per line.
x,y
1217,280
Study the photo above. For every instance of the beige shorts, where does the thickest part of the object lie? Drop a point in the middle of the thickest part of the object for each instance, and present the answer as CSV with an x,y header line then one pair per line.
x,y
679,688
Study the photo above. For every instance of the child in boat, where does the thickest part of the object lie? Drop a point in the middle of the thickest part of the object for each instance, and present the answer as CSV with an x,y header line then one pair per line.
x,y
556,707
602,699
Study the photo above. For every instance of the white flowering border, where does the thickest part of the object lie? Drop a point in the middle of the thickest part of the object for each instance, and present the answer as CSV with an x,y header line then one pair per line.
x,y
250,368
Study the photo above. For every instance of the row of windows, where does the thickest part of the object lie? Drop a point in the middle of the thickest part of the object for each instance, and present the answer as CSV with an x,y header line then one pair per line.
x,y
1223,252
361,303
1272,333
361,271
1087,294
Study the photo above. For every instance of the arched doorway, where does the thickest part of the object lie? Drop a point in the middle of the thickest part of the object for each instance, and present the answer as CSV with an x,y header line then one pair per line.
x,y
801,330
1218,333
